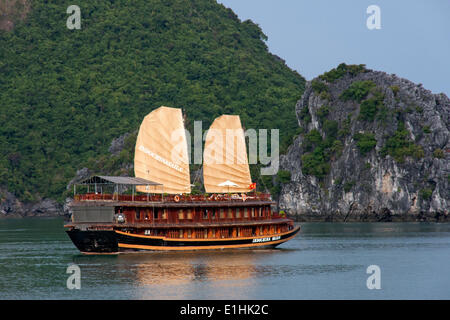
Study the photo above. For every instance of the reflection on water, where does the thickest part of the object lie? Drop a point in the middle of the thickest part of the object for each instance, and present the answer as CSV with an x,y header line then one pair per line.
x,y
221,266
235,273
147,268
325,261
194,266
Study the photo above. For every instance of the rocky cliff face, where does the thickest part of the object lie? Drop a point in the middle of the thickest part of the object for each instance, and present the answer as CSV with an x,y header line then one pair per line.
x,y
10,206
373,147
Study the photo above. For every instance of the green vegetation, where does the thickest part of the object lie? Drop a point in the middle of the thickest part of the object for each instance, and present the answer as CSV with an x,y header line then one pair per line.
x,y
400,146
305,116
345,127
284,176
382,113
395,90
349,185
267,183
338,181
426,193
409,109
365,142
319,152
65,94
273,183
438,153
426,129
316,163
370,107
342,70
322,113
312,139
319,86
330,127
358,90
337,148
116,164
325,95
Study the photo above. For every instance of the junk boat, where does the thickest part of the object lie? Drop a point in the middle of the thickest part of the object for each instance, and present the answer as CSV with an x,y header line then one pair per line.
x,y
155,210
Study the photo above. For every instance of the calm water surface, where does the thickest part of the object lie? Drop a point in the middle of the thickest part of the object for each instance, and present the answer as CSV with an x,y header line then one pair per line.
x,y
325,261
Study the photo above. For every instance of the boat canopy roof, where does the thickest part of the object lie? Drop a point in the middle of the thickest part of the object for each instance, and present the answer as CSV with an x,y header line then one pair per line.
x,y
119,180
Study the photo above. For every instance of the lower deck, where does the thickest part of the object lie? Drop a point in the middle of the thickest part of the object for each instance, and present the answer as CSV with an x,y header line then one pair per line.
x,y
114,241
194,230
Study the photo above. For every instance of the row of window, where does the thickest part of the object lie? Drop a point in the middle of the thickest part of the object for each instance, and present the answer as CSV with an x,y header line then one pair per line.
x,y
215,213
144,214
208,233
223,213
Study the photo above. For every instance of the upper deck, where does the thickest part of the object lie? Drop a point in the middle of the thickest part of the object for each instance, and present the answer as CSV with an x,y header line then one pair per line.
x,y
109,191
214,200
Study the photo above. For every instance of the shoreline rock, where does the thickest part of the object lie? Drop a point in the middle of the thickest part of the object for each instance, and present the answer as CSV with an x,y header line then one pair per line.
x,y
438,217
12,207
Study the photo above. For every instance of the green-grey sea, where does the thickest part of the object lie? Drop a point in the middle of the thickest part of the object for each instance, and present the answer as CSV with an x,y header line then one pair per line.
x,y
325,261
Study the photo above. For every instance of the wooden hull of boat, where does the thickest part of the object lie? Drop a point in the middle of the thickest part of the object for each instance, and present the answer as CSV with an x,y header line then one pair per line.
x,y
114,241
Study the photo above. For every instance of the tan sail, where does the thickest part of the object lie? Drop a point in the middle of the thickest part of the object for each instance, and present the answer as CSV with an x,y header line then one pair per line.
x,y
161,152
225,163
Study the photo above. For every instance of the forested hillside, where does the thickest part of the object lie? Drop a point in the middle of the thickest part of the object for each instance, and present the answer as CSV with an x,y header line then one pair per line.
x,y
66,94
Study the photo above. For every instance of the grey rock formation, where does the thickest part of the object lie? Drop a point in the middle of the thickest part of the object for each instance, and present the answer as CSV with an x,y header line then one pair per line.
x,y
373,186
79,176
10,206
46,207
67,209
118,144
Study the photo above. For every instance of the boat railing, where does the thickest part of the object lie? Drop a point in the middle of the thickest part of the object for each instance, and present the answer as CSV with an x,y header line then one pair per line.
x,y
174,198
